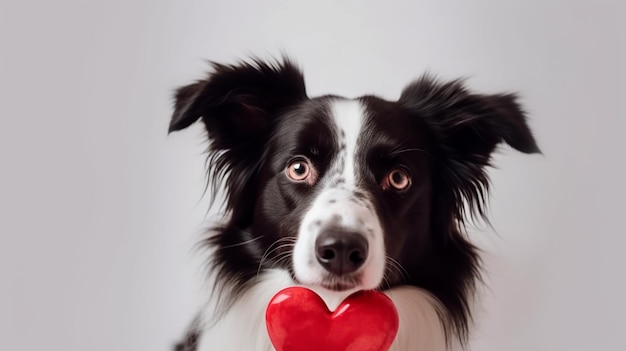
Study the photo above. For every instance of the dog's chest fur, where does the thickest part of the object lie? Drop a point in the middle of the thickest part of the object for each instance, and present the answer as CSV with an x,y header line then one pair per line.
x,y
243,326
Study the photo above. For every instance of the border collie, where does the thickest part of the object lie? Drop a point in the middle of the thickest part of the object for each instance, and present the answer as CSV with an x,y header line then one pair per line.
x,y
341,195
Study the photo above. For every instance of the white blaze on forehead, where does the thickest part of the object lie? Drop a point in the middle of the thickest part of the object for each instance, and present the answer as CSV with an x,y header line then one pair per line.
x,y
348,116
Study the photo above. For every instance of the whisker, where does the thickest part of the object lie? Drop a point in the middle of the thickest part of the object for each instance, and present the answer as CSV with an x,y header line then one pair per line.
x,y
281,258
387,283
243,242
271,249
395,267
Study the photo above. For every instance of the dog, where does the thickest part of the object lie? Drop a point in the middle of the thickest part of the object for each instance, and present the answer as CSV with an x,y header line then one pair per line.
x,y
341,195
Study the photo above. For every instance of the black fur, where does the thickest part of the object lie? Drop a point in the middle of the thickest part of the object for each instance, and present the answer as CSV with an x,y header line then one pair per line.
x,y
258,115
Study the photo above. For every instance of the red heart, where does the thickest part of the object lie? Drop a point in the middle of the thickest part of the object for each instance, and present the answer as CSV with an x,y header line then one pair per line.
x,y
297,319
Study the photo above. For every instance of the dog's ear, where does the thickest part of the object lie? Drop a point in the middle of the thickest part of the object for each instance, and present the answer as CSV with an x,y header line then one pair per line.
x,y
470,124
466,128
237,102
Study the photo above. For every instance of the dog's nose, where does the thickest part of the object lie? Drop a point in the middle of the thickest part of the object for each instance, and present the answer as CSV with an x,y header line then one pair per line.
x,y
341,252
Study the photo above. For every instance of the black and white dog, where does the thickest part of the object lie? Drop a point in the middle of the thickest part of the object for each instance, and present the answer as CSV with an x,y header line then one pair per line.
x,y
341,195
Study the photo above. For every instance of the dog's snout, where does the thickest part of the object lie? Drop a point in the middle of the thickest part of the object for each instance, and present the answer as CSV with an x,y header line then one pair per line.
x,y
341,252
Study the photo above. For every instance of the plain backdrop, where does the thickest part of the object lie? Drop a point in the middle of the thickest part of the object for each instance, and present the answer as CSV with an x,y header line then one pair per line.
x,y
100,209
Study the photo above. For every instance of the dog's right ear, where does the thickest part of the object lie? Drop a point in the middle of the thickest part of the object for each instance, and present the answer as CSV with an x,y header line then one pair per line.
x,y
237,102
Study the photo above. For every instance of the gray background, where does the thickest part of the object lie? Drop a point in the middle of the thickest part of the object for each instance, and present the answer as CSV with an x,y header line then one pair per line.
x,y
99,209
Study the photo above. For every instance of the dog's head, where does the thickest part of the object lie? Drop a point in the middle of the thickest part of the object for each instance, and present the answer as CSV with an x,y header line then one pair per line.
x,y
349,193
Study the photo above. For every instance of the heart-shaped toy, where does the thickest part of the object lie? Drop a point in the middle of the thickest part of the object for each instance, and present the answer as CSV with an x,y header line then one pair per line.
x,y
297,319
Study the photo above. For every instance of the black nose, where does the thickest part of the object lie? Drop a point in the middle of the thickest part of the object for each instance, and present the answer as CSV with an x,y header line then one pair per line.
x,y
341,252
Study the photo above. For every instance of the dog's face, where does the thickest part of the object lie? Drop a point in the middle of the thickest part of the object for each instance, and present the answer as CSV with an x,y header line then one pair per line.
x,y
349,193
348,181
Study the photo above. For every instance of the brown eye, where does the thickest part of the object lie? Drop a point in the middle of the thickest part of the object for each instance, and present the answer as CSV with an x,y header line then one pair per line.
x,y
300,170
398,179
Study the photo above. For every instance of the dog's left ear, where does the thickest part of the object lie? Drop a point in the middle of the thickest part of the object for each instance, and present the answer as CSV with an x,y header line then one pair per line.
x,y
469,125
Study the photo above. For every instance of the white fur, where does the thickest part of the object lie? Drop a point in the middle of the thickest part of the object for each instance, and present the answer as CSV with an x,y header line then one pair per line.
x,y
420,326
243,327
352,217
349,116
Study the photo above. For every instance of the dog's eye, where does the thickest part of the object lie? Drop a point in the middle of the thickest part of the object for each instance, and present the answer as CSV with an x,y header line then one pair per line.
x,y
301,170
397,179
